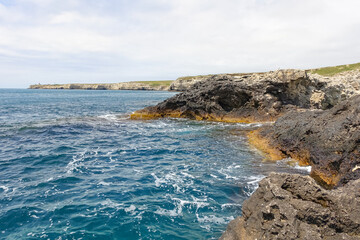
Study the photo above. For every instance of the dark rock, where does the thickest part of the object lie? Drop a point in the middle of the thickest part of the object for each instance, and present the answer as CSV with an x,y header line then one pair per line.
x,y
291,206
248,98
328,140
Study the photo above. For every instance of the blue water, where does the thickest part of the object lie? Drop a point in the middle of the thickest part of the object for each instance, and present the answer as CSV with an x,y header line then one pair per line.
x,y
73,166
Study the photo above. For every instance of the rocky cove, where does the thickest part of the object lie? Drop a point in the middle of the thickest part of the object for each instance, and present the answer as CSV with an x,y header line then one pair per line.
x,y
316,123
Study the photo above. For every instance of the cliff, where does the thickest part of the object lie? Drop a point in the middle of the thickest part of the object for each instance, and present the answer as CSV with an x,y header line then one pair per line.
x,y
143,85
255,97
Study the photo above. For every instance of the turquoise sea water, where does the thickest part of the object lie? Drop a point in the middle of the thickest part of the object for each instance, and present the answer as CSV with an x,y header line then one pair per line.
x,y
73,166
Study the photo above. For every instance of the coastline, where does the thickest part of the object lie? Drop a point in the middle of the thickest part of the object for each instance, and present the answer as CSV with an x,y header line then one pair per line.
x,y
139,85
317,121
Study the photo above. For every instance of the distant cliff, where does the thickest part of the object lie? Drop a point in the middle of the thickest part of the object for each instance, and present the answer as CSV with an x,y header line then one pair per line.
x,y
140,85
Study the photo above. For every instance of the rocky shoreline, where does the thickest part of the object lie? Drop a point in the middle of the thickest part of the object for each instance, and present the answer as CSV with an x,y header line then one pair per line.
x,y
317,123
107,86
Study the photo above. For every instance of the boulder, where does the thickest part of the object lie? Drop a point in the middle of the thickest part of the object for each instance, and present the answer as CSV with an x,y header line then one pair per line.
x,y
291,206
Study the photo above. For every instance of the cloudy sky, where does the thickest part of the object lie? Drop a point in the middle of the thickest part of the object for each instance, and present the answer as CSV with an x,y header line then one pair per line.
x,y
63,41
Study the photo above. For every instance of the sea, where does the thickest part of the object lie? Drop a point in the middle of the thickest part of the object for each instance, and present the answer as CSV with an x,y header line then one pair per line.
x,y
74,166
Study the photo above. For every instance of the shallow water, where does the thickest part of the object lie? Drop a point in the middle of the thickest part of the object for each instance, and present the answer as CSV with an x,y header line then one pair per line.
x,y
73,166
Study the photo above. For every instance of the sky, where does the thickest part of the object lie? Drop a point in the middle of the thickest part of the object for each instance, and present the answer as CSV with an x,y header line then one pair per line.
x,y
92,41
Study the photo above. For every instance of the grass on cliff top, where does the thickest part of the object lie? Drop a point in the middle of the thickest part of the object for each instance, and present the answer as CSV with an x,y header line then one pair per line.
x,y
156,83
330,71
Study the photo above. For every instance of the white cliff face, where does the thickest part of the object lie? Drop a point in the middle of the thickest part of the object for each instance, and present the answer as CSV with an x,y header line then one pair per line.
x,y
104,86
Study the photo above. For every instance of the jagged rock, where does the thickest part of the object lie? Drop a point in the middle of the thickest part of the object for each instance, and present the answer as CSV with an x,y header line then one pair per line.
x,y
328,140
249,97
291,206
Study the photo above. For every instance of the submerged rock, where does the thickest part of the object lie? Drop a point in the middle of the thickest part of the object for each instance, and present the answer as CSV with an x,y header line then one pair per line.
x,y
291,206
249,97
327,140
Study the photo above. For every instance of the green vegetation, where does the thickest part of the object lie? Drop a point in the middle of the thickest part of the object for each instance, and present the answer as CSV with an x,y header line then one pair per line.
x,y
330,71
191,77
209,75
156,83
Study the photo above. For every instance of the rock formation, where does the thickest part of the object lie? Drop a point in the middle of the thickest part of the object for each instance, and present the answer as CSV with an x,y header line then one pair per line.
x,y
291,206
185,83
328,140
317,123
251,97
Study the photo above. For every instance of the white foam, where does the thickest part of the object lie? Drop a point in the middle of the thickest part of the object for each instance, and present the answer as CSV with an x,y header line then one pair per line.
x,y
109,117
75,162
291,162
187,175
303,168
130,209
158,181
214,219
230,205
214,176
199,203
254,180
171,213
5,188
104,183
226,174
175,180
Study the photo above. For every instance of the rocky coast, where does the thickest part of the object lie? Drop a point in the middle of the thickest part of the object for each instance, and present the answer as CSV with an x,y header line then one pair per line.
x,y
143,85
316,122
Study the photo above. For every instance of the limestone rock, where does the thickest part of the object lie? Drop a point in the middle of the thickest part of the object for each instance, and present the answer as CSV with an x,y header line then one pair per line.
x,y
250,97
185,83
291,206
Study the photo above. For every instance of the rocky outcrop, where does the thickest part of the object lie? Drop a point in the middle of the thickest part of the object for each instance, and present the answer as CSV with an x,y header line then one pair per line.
x,y
291,206
105,86
250,97
327,140
184,83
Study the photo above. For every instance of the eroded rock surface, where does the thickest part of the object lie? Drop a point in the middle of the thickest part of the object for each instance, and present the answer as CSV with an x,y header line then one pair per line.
x,y
328,140
291,206
250,97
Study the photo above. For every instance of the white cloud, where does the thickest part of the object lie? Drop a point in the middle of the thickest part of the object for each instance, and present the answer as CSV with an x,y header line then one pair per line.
x,y
159,39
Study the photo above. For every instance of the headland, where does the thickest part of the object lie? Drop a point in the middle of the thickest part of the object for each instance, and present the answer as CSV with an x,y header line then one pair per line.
x,y
136,85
